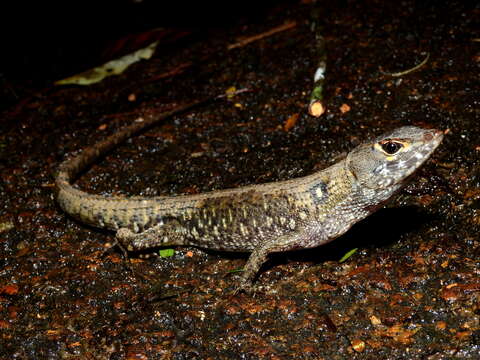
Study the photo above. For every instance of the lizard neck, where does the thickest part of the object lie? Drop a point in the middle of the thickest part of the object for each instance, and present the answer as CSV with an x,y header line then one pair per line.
x,y
340,200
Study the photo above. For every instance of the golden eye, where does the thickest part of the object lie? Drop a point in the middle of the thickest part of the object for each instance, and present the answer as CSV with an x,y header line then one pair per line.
x,y
391,147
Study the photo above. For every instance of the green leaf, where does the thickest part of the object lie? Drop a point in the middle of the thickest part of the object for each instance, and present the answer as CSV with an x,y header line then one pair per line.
x,y
235,270
347,255
164,253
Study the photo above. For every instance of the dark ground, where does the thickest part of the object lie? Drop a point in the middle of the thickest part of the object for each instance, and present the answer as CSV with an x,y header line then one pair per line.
x,y
411,291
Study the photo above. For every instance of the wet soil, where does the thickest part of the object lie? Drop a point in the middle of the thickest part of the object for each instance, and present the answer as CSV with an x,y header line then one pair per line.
x,y
412,289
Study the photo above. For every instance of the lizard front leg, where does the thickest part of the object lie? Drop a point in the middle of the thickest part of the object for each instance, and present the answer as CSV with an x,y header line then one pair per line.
x,y
290,241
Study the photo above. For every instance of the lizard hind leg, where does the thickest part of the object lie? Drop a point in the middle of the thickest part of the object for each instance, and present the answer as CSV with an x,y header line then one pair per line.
x,y
156,236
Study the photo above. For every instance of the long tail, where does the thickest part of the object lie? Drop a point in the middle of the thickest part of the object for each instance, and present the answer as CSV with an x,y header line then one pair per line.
x,y
67,195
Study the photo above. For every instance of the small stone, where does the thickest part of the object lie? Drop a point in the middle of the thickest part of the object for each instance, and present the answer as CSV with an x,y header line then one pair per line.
x,y
375,320
358,345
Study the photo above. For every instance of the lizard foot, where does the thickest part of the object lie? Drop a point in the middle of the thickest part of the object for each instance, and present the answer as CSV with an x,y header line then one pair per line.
x,y
116,243
249,289
245,287
124,238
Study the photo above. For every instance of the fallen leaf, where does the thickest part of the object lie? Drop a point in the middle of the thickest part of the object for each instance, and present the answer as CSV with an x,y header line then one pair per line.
x,y
10,289
113,67
344,108
291,121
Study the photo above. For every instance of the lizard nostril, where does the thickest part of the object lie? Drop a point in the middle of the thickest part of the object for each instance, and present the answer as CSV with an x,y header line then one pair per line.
x,y
428,136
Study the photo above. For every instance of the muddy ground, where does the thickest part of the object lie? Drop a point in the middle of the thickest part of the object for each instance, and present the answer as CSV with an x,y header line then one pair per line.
x,y
412,289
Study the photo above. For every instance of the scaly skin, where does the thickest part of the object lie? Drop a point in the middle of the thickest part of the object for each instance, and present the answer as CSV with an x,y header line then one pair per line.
x,y
280,216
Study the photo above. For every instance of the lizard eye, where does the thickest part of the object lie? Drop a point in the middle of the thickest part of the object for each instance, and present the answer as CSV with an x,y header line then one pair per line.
x,y
391,147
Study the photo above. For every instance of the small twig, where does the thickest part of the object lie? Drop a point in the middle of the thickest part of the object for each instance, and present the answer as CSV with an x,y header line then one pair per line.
x,y
162,108
271,32
401,73
233,93
316,106
178,70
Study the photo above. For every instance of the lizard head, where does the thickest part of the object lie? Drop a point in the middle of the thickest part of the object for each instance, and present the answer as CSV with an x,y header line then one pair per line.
x,y
389,159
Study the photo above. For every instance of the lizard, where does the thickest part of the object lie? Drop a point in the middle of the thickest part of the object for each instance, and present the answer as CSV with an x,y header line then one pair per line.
x,y
262,219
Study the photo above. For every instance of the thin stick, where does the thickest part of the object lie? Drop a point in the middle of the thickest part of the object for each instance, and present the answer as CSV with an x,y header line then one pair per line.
x,y
401,73
257,37
317,106
70,168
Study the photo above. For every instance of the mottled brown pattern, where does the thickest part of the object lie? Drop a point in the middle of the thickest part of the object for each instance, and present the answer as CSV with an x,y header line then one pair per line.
x,y
299,213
